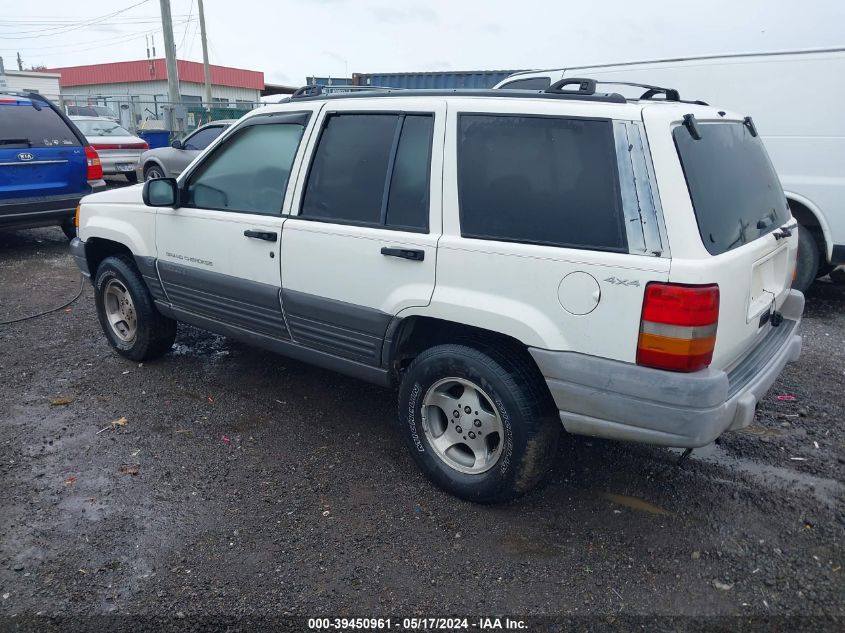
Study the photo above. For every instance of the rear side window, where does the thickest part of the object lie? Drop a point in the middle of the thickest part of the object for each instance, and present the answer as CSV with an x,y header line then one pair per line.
x,y
530,83
540,180
735,191
202,138
371,169
23,125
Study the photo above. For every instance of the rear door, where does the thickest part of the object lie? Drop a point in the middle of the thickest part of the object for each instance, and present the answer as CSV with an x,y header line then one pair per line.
x,y
362,245
725,213
39,154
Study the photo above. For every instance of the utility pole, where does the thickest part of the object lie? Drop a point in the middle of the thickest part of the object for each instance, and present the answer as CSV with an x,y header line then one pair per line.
x,y
206,70
170,54
20,62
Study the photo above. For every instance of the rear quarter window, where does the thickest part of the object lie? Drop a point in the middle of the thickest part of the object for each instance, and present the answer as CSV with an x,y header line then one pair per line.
x,y
735,192
24,125
540,180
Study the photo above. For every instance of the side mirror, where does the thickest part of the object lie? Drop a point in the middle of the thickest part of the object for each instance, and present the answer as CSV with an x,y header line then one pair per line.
x,y
177,144
161,192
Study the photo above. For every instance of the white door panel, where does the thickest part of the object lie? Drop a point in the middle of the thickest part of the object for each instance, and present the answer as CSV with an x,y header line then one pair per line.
x,y
219,253
340,290
345,263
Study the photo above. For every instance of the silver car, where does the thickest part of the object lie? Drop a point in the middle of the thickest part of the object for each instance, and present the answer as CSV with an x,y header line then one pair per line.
x,y
119,150
168,162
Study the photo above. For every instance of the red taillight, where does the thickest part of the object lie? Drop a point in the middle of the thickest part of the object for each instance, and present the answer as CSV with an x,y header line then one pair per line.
x,y
95,169
678,327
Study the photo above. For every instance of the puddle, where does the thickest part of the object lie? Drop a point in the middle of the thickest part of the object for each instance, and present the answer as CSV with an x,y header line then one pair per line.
x,y
210,346
828,491
635,503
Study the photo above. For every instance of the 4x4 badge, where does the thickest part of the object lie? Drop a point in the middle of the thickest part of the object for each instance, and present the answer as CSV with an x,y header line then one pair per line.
x,y
623,282
26,156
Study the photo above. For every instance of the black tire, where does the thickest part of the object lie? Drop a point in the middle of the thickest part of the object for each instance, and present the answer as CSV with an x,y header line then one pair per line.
x,y
809,257
131,176
68,228
516,389
153,171
154,333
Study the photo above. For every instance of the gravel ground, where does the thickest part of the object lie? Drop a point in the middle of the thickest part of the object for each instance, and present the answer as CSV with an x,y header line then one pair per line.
x,y
244,487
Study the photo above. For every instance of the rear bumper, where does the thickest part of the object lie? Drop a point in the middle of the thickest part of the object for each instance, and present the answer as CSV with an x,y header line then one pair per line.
x,y
22,213
621,401
111,161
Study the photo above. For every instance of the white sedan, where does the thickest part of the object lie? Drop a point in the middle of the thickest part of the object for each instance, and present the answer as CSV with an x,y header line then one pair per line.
x,y
119,151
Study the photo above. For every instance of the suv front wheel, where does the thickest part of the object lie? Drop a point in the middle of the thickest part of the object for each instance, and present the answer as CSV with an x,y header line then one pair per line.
x,y
127,313
480,425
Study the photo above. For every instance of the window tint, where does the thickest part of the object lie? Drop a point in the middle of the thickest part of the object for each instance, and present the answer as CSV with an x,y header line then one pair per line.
x,y
531,83
735,191
407,204
202,138
22,125
371,169
540,180
347,176
249,172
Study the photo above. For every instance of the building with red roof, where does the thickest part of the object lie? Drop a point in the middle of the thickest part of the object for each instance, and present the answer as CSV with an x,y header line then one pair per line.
x,y
146,79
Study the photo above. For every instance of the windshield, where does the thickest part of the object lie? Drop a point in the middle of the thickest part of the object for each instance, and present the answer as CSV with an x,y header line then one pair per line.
x,y
103,111
101,128
734,189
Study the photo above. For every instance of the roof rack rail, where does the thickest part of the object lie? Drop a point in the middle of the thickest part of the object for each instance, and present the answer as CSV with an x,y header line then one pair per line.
x,y
310,93
588,87
314,90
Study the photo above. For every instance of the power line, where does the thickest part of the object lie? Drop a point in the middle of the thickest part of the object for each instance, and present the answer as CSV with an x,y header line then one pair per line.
x,y
122,36
185,32
80,25
72,20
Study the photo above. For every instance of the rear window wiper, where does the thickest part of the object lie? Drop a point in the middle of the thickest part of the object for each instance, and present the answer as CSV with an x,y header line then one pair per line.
x,y
16,141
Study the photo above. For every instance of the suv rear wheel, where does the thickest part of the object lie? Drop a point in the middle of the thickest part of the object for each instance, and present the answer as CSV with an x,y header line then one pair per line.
x,y
478,424
68,228
809,256
127,314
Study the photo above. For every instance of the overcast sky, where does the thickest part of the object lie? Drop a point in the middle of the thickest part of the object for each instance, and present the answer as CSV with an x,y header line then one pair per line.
x,y
290,39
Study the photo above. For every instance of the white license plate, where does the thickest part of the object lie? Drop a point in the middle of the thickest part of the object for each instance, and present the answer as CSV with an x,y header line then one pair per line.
x,y
125,166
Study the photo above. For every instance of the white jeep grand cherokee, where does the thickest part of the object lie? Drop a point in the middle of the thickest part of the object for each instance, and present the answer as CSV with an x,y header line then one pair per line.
x,y
514,261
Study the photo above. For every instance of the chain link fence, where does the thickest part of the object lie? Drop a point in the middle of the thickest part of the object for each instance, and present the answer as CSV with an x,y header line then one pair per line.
x,y
139,113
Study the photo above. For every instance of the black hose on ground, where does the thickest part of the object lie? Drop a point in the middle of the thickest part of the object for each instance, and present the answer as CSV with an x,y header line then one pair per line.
x,y
40,314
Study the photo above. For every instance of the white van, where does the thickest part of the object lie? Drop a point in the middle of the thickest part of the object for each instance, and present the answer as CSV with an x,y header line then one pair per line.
x,y
796,99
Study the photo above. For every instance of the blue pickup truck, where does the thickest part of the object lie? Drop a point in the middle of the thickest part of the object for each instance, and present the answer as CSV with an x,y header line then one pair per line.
x,y
46,165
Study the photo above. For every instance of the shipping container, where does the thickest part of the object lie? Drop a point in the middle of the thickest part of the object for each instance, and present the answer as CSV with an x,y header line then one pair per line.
x,y
440,80
437,80
328,81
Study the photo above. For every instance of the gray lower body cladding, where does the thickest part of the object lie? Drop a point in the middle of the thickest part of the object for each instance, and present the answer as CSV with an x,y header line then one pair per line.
x,y
331,334
243,303
615,400
344,329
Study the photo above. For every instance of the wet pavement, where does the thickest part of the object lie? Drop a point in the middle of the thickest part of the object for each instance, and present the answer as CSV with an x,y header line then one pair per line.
x,y
246,485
